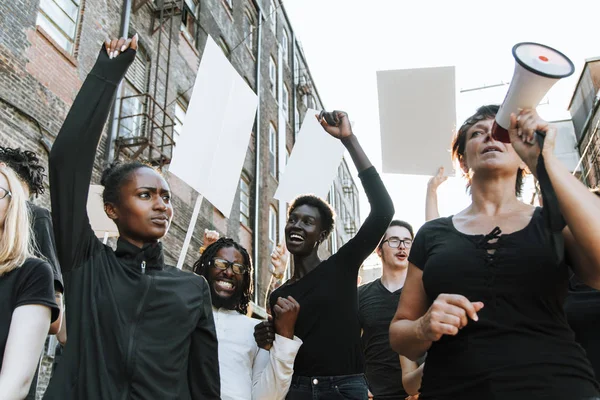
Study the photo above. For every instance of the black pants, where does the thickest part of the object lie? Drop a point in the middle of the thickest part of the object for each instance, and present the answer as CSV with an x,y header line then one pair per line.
x,y
344,387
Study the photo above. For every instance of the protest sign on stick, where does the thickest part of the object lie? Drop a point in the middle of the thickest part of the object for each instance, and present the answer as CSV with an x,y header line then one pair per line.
x,y
210,152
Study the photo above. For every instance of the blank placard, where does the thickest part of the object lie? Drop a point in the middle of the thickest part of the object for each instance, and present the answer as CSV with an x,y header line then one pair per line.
x,y
417,116
212,147
101,224
313,163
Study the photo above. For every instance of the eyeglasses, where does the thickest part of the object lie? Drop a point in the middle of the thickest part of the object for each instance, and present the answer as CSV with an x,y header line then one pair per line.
x,y
394,242
4,193
221,264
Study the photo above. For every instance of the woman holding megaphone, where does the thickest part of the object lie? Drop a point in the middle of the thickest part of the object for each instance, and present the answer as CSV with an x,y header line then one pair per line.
x,y
484,292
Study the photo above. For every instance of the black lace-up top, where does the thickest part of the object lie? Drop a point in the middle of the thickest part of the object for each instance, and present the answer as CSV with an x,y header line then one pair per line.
x,y
522,343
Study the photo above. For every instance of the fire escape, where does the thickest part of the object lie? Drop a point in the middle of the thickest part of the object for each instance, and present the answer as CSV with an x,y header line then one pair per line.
x,y
146,127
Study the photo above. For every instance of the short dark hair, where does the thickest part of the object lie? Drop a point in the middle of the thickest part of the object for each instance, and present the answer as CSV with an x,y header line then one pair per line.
x,y
27,166
325,210
201,268
403,224
115,175
459,142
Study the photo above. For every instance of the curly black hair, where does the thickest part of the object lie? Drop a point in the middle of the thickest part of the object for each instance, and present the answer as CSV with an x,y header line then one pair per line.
x,y
115,175
27,166
327,213
459,142
201,268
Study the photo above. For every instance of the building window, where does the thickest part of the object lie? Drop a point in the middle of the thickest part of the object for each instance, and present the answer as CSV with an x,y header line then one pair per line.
x,y
273,15
285,41
180,110
245,200
133,97
286,102
273,150
59,19
273,76
249,30
189,19
272,228
223,45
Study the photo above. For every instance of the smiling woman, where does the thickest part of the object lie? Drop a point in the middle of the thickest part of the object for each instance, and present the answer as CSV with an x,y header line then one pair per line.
x,y
326,289
142,329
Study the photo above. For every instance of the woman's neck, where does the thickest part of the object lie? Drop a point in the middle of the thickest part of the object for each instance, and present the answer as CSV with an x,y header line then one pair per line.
x,y
493,195
305,264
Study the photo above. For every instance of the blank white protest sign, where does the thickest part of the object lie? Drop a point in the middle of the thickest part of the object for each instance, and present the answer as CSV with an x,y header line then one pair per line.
x,y
101,224
417,116
313,163
210,152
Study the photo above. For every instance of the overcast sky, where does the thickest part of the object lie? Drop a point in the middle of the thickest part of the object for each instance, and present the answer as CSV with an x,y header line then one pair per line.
x,y
347,41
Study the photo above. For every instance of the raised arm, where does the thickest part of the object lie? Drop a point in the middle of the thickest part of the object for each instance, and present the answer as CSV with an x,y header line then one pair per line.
x,y
579,207
203,366
73,153
382,206
431,199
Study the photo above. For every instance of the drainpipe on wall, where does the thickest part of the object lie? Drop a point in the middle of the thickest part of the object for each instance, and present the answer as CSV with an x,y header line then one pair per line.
x,y
255,238
116,108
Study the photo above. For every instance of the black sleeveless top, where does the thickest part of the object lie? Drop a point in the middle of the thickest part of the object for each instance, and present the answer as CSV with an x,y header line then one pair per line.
x,y
522,343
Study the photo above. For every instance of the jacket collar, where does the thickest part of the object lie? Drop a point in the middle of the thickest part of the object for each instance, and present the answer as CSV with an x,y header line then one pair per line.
x,y
151,253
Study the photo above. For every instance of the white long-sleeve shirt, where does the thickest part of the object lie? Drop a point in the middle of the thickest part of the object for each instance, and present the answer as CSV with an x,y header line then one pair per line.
x,y
247,371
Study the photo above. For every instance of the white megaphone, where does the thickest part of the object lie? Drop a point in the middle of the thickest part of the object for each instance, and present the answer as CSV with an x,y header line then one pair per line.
x,y
537,69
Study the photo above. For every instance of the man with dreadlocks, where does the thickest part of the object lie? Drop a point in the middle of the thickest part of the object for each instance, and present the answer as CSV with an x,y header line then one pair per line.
x,y
247,372
29,170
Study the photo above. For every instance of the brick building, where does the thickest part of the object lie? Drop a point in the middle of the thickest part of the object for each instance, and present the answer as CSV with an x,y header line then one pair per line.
x,y
584,109
47,47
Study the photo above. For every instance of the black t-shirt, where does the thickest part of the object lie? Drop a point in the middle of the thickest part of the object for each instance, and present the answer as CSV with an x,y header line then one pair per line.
x,y
32,283
522,343
328,319
45,248
376,309
583,313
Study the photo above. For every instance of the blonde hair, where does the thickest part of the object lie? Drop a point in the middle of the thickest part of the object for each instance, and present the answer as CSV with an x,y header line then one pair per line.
x,y
15,242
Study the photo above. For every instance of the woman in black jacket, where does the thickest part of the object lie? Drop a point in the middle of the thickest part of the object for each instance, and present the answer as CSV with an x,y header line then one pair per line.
x,y
138,329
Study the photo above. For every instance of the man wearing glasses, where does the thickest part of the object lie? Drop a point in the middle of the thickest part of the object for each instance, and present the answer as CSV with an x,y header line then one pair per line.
x,y
247,371
377,303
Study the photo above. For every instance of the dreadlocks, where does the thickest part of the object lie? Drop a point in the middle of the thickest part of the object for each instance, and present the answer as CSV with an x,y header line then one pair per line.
x,y
201,268
27,166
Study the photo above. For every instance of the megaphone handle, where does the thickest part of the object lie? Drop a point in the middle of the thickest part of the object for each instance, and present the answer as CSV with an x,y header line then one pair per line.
x,y
541,136
554,219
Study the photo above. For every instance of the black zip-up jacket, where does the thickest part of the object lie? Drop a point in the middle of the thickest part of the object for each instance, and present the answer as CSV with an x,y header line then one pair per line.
x,y
137,329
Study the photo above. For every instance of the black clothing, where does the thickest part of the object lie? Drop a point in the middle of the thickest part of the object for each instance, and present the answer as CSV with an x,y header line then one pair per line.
x,y
138,329
582,307
376,309
328,320
522,343
45,248
29,284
